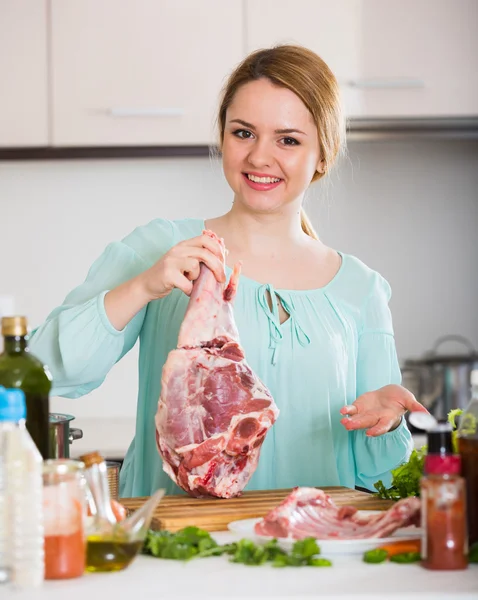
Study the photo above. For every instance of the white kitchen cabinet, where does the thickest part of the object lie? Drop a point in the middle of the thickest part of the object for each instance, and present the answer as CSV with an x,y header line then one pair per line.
x,y
140,72
413,58
332,29
23,73
419,58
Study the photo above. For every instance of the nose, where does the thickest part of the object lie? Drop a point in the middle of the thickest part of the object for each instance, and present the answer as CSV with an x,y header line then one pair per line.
x,y
261,154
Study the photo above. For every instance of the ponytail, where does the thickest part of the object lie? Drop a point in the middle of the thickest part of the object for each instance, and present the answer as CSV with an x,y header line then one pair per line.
x,y
307,226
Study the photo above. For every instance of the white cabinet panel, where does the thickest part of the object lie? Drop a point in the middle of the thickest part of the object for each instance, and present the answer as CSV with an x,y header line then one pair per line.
x,y
331,29
419,58
392,59
140,72
23,73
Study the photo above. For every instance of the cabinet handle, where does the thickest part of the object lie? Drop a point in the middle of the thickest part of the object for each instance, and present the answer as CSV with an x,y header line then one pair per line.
x,y
385,84
120,111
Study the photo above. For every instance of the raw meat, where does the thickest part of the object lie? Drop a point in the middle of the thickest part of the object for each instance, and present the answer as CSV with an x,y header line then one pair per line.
x,y
214,412
311,512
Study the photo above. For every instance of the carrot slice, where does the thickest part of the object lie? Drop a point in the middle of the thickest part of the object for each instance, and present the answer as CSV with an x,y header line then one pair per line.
x,y
401,546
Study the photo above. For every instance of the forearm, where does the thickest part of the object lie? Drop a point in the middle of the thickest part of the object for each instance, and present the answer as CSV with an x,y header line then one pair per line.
x,y
125,301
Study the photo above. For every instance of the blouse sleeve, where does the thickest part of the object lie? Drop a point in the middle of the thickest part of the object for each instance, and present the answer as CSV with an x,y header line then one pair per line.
x,y
377,366
77,341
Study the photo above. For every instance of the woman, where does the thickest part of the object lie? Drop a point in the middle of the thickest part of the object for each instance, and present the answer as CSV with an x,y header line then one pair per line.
x,y
314,322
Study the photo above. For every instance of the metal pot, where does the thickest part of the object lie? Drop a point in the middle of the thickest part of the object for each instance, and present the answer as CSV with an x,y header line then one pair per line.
x,y
61,436
441,382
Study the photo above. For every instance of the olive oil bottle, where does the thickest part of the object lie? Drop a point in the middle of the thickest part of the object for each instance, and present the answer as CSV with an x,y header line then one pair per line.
x,y
20,369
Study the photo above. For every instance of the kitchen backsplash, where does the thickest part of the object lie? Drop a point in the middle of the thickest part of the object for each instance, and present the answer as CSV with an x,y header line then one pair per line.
x,y
408,209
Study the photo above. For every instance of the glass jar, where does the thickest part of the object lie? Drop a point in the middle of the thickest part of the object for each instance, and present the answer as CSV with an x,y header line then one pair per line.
x,y
64,505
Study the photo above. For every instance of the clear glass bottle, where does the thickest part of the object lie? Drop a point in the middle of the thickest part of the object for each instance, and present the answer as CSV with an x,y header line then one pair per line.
x,y
20,369
21,504
112,545
442,490
468,448
64,506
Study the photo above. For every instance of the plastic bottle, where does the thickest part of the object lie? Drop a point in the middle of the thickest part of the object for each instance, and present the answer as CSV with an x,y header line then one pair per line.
x,y
21,502
442,490
468,448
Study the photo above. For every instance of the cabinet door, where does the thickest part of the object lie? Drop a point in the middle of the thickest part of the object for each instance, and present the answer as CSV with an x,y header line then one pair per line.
x,y
23,73
331,29
419,58
140,72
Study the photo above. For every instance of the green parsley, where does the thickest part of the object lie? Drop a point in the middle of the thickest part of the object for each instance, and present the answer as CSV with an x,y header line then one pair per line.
x,y
406,557
193,542
406,477
375,556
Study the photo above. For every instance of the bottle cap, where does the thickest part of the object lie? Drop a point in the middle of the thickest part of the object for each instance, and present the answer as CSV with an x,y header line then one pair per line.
x,y
440,440
14,326
92,458
12,405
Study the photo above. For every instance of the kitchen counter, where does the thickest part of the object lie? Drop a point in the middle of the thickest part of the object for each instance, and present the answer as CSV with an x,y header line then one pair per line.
x,y
349,577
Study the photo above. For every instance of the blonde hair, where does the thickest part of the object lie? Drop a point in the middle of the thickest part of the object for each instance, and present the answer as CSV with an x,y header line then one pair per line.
x,y
307,75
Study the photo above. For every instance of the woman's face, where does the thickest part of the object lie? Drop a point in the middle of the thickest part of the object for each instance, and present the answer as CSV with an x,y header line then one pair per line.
x,y
270,147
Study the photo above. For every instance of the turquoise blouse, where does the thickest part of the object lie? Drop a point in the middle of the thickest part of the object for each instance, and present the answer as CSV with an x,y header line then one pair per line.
x,y
337,344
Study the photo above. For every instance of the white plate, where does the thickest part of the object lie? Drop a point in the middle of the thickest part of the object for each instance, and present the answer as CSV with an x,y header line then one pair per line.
x,y
245,528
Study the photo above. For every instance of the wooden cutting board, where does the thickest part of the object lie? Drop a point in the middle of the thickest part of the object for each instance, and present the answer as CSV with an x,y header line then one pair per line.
x,y
175,512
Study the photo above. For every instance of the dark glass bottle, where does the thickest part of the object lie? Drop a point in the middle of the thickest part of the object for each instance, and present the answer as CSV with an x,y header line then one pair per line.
x,y
20,369
468,446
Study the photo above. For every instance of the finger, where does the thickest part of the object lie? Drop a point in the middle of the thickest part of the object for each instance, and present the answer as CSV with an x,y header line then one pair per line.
x,y
413,405
208,258
205,241
182,283
360,422
384,425
349,410
192,269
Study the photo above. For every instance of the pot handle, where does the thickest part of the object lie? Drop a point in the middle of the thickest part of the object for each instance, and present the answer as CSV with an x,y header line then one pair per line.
x,y
453,338
75,434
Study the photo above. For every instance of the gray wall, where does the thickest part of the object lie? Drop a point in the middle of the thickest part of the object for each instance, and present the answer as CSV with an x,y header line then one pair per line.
x,y
408,209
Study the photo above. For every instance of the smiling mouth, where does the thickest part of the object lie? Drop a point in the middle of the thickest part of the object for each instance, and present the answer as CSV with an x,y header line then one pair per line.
x,y
256,179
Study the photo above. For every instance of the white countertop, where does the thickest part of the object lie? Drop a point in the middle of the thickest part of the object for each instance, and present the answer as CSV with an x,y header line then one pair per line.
x,y
348,578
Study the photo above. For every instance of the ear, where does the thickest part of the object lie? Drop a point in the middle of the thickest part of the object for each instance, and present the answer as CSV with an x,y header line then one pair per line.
x,y
321,167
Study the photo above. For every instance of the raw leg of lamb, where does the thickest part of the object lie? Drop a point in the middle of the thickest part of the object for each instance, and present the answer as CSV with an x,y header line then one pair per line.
x,y
310,512
214,412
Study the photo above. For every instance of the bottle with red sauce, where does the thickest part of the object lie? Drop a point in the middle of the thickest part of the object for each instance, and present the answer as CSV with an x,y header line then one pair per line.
x,y
64,506
443,496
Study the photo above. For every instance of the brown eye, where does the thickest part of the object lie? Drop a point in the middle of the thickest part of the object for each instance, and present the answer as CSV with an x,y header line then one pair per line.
x,y
289,141
243,134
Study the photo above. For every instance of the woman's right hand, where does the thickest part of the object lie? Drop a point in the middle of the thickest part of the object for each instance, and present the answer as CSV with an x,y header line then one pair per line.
x,y
180,267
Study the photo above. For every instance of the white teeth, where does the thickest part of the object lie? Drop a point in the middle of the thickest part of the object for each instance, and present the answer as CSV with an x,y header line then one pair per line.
x,y
262,179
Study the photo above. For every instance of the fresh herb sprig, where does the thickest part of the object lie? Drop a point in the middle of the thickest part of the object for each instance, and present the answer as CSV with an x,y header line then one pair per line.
x,y
380,555
473,553
193,542
406,477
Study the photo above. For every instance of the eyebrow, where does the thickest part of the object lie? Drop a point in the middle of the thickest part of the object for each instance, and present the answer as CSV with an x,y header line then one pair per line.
x,y
280,131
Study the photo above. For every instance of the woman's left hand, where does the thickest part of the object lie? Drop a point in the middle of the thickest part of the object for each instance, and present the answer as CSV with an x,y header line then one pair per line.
x,y
380,411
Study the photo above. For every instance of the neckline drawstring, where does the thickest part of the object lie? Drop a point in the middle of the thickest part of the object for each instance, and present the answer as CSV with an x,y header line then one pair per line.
x,y
276,334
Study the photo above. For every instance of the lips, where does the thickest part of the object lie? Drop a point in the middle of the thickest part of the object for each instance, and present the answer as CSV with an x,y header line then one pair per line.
x,y
261,182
